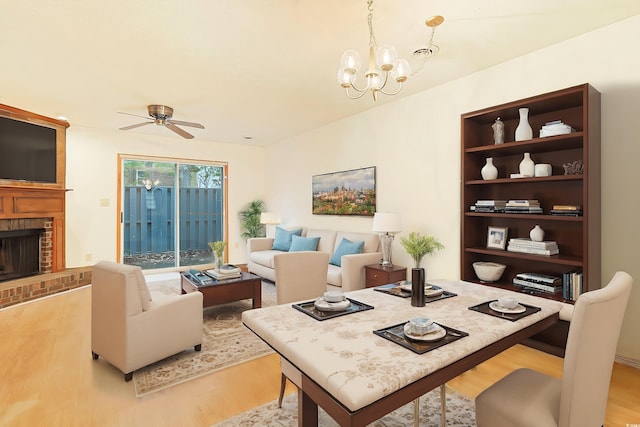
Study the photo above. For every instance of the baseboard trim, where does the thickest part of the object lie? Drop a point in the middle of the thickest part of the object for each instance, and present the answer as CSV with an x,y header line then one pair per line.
x,y
628,361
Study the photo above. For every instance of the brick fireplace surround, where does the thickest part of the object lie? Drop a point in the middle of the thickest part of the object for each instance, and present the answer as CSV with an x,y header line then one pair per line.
x,y
23,208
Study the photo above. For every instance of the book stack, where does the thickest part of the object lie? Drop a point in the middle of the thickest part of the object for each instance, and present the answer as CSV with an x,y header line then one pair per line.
x,y
226,271
555,128
523,206
538,282
566,210
572,285
528,246
489,206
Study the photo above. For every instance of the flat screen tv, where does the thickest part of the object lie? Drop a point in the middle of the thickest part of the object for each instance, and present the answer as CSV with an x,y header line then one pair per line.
x,y
27,151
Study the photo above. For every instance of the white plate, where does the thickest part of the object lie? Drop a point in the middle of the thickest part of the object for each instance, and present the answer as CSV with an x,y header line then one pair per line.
x,y
430,291
323,305
495,306
437,334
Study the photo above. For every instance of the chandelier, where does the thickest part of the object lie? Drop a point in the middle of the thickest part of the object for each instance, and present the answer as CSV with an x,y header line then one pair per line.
x,y
383,67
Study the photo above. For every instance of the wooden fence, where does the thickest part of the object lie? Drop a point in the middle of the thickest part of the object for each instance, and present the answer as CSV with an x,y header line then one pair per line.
x,y
150,218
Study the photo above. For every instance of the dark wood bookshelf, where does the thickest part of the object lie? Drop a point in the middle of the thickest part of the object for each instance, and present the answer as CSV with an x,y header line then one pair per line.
x,y
578,237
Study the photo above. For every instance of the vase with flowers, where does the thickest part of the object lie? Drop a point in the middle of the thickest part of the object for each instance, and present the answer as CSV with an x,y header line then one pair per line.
x,y
218,253
417,246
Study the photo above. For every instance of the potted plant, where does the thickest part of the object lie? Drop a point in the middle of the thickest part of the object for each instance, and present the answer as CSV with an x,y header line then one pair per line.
x,y
418,246
250,218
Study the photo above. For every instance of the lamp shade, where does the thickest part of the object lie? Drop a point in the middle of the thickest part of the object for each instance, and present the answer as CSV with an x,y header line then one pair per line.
x,y
387,222
269,218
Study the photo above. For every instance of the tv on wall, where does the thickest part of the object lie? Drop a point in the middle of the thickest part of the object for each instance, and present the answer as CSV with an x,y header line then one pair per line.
x,y
27,151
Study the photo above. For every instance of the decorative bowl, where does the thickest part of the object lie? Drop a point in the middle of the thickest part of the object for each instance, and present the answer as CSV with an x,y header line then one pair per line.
x,y
488,271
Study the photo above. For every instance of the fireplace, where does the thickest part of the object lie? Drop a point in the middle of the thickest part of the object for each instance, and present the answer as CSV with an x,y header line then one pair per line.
x,y
25,247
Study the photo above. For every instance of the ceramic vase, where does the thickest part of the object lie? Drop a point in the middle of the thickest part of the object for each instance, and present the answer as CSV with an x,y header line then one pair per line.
x,y
527,167
489,171
417,287
524,131
537,234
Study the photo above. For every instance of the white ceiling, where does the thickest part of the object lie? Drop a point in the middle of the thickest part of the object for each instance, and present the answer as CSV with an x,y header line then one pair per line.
x,y
259,68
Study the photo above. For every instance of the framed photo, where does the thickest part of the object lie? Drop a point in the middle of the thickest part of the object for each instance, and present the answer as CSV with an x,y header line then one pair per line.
x,y
351,192
497,237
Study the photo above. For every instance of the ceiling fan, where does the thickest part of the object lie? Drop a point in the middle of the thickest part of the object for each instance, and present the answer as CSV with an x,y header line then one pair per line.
x,y
161,115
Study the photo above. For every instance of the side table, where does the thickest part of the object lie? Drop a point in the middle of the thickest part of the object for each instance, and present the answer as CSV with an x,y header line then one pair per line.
x,y
377,275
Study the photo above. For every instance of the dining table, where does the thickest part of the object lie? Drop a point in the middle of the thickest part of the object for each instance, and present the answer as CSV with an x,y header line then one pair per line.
x,y
359,364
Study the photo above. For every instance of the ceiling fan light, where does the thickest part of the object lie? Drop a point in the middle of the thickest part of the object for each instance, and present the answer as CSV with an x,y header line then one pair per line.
x,y
385,57
350,61
401,71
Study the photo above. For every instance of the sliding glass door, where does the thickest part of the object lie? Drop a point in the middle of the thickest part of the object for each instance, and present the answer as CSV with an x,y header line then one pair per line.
x,y
171,210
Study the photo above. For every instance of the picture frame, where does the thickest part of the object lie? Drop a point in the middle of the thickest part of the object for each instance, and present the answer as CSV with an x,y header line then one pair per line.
x,y
349,192
497,237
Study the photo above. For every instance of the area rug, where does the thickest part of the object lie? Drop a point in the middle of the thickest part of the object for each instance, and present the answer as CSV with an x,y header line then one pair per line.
x,y
226,342
460,412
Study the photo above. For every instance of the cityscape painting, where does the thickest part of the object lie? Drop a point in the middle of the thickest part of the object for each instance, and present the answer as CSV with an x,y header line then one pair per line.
x,y
351,192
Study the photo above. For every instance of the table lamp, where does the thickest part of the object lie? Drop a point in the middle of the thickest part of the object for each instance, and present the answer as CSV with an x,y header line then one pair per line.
x,y
270,219
386,224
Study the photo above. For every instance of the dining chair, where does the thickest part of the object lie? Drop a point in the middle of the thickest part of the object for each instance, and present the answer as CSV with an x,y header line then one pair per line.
x,y
529,398
299,277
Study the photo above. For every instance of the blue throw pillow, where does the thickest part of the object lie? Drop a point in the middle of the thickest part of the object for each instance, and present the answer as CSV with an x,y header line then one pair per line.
x,y
304,243
346,247
282,241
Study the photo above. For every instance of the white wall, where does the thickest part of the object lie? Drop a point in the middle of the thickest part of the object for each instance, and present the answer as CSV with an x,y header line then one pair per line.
x,y
415,145
92,165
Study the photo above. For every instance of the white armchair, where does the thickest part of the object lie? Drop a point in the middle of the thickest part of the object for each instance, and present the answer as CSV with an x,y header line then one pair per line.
x,y
129,329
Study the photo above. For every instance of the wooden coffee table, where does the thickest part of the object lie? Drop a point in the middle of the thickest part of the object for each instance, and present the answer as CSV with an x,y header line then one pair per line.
x,y
223,291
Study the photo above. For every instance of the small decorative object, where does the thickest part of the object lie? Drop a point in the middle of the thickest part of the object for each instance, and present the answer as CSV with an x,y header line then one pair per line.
x,y
536,234
218,249
488,271
418,246
542,169
497,237
524,130
498,131
417,287
527,167
573,168
489,171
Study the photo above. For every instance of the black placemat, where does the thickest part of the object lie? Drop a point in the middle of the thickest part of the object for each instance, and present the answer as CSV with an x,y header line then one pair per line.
x,y
396,334
484,308
310,309
395,290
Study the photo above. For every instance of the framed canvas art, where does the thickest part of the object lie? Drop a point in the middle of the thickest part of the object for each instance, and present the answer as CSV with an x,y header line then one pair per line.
x,y
351,192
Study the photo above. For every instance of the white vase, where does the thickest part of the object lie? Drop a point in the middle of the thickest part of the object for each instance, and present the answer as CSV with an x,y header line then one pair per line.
x,y
524,131
536,234
489,171
527,167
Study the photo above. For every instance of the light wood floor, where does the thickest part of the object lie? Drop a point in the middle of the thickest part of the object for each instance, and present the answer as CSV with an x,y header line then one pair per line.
x,y
47,377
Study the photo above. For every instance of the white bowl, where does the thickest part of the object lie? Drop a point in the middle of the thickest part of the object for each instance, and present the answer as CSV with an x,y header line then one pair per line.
x,y
508,302
333,296
488,271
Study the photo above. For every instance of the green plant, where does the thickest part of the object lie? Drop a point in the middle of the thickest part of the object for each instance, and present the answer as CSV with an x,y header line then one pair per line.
x,y
418,246
218,249
250,218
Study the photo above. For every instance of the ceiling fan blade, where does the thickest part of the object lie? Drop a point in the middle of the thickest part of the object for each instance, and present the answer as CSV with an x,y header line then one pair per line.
x,y
179,131
137,125
134,115
181,123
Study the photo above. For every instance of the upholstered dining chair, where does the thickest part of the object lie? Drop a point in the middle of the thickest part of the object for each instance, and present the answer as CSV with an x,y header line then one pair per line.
x,y
298,278
129,328
528,398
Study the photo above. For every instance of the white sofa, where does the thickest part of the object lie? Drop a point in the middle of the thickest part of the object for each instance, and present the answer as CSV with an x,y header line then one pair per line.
x,y
347,277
